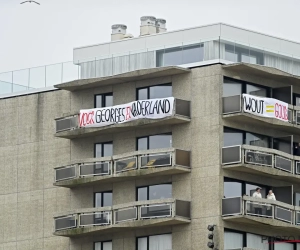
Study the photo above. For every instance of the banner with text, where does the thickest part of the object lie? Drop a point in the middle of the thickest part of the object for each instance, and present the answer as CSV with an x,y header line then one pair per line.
x,y
144,109
266,107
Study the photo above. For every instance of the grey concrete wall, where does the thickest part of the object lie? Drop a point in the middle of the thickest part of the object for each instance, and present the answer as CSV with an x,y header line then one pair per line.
x,y
29,152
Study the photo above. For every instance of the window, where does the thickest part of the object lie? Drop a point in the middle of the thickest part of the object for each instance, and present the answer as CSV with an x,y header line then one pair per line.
x,y
155,242
161,191
180,55
104,245
104,100
239,53
232,137
152,92
103,199
257,241
103,149
154,141
232,87
233,240
236,188
283,246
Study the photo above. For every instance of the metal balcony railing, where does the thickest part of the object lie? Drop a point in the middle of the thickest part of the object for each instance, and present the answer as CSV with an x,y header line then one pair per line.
x,y
118,164
260,156
136,211
181,108
259,208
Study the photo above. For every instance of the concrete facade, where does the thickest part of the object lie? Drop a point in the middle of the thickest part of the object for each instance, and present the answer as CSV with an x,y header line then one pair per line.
x,y
29,153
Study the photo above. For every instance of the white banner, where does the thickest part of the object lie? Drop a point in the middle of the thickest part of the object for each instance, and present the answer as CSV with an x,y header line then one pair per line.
x,y
143,109
266,107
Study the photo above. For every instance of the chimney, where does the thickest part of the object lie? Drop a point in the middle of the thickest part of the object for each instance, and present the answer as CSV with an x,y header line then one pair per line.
x,y
148,25
118,31
160,25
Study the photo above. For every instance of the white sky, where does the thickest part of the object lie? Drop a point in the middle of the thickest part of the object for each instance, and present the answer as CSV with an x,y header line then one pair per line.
x,y
35,35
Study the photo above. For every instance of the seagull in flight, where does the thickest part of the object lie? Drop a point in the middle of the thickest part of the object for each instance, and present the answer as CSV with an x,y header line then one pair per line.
x,y
29,1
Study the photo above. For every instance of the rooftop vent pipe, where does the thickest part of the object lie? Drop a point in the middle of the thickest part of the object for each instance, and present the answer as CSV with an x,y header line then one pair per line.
x,y
118,31
148,25
160,25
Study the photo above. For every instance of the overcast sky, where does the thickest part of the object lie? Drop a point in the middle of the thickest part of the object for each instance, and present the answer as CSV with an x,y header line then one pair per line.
x,y
34,35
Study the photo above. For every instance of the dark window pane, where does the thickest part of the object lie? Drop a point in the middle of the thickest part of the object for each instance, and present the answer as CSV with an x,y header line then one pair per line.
x,y
107,149
172,56
232,189
98,199
232,138
254,90
108,100
98,150
143,143
163,191
142,194
257,140
143,94
192,54
231,89
107,199
160,141
160,91
98,103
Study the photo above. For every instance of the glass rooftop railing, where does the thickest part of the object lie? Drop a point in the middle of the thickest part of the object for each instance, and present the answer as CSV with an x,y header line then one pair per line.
x,y
187,54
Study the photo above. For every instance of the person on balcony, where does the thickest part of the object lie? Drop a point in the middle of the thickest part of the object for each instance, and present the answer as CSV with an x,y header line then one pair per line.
x,y
257,207
270,196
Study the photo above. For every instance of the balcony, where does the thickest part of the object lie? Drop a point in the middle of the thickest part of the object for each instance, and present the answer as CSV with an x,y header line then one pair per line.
x,y
68,127
139,214
263,161
261,212
233,110
123,167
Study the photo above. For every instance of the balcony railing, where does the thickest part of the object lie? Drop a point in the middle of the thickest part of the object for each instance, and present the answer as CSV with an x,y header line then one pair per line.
x,y
118,165
181,108
260,156
234,104
136,211
259,208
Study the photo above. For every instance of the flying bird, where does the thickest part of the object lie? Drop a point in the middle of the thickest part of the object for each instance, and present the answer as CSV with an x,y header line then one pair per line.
x,y
29,1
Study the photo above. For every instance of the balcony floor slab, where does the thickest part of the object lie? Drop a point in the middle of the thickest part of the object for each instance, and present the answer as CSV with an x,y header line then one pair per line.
x,y
265,123
123,127
124,226
125,176
263,171
263,223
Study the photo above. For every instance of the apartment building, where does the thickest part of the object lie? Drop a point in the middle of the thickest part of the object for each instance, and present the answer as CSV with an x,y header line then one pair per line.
x,y
146,149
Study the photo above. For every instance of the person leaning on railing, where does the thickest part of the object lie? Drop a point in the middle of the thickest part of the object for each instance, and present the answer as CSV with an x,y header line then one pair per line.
x,y
270,196
257,207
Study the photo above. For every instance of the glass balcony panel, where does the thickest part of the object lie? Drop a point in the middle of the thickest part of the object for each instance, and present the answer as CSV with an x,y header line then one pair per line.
x,y
283,214
5,88
231,206
259,158
70,72
125,214
53,74
157,160
66,123
155,211
259,209
19,88
125,164
297,168
182,107
95,219
183,208
6,77
232,104
298,117
21,77
65,173
231,155
37,77
97,168
283,163
65,223
297,217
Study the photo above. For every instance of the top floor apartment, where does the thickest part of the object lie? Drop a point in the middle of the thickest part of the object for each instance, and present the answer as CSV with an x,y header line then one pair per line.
x,y
155,47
